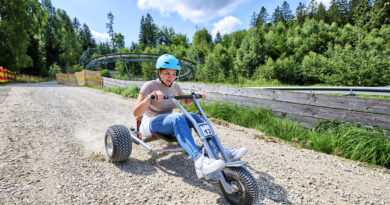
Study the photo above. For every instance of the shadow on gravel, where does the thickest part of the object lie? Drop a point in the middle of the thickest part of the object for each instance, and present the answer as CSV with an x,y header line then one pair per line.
x,y
138,167
177,165
268,189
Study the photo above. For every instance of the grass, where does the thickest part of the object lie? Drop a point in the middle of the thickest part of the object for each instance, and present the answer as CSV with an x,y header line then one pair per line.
x,y
30,79
247,83
374,96
348,140
131,92
362,95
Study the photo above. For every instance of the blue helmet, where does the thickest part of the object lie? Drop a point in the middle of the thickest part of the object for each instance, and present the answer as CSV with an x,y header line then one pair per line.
x,y
168,62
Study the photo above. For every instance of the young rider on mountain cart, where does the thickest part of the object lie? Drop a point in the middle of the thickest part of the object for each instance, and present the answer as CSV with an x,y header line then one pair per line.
x,y
155,103
158,117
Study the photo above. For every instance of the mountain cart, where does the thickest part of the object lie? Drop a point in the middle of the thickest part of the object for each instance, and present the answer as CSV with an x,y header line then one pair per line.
x,y
236,182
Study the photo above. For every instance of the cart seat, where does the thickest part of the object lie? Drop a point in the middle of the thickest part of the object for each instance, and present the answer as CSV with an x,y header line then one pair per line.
x,y
155,136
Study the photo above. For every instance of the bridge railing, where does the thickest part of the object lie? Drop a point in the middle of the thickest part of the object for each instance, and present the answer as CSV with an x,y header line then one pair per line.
x,y
139,57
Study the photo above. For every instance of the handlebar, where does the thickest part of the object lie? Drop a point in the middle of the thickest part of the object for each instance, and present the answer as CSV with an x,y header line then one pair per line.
x,y
179,97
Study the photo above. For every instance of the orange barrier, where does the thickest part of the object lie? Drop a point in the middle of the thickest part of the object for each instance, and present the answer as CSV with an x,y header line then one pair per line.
x,y
85,77
6,75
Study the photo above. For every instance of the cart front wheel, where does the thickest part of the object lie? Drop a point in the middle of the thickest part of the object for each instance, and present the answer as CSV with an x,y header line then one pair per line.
x,y
245,188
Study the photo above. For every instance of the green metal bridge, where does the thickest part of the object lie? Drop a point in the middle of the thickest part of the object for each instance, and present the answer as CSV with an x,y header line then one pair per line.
x,y
188,67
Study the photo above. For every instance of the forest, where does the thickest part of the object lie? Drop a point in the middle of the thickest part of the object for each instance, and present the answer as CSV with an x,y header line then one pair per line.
x,y
345,44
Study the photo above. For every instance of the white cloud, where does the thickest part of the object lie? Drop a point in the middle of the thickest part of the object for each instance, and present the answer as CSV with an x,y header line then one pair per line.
x,y
100,37
197,11
225,26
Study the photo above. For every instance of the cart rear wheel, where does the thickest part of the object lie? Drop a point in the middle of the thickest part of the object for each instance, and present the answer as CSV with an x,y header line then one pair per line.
x,y
117,141
245,187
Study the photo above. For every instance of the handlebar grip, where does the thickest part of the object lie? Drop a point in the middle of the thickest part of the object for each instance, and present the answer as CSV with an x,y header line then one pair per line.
x,y
178,97
154,97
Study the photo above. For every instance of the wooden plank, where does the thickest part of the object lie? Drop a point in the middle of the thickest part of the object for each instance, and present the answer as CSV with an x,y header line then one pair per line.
x,y
345,102
303,120
378,120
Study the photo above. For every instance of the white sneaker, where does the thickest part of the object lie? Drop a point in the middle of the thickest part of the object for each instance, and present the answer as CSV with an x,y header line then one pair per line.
x,y
235,154
205,166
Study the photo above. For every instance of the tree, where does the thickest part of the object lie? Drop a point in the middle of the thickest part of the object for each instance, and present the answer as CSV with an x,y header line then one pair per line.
x,y
166,36
18,19
69,46
251,53
300,13
180,39
321,13
218,38
277,16
110,28
76,24
312,8
236,40
52,34
201,45
262,17
119,41
253,21
148,32
218,66
86,39
337,12
380,13
286,12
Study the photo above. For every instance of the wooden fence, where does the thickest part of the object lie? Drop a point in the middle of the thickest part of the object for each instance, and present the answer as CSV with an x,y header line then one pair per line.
x,y
306,108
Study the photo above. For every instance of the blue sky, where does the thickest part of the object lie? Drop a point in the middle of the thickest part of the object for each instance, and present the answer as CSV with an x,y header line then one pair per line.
x,y
184,16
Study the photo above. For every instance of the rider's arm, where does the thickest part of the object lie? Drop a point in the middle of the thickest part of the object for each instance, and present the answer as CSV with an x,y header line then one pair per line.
x,y
141,105
143,102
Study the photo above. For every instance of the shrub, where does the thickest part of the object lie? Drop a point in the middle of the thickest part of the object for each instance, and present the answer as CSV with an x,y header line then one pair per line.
x,y
54,69
105,73
131,92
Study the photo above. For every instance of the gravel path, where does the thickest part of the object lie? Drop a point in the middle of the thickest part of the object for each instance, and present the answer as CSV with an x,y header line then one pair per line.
x,y
51,151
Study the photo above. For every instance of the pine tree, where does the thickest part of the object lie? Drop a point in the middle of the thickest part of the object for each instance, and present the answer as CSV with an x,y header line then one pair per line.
x,y
110,28
286,12
76,24
253,20
142,37
321,13
149,32
262,17
312,8
277,16
300,13
218,38
380,13
338,11
86,38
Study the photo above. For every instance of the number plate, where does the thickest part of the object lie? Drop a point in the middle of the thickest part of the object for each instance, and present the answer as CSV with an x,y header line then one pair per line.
x,y
206,130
